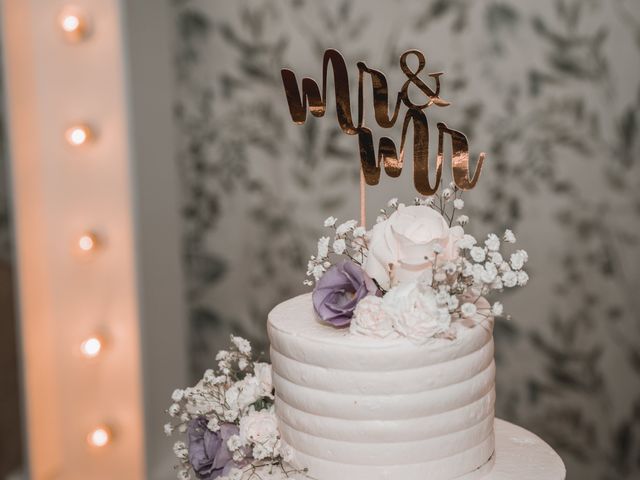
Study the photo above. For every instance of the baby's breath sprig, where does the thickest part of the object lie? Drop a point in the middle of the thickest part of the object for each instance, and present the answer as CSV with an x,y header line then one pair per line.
x,y
460,284
447,203
236,395
348,239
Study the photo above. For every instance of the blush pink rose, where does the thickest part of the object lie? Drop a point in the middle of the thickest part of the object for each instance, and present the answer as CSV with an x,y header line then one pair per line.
x,y
401,248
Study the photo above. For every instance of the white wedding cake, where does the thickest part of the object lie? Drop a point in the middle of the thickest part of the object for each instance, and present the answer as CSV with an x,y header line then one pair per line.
x,y
384,371
359,408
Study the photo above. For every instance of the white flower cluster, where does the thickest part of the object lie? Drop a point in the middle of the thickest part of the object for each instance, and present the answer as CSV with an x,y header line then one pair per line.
x,y
351,240
348,239
435,276
479,270
238,393
484,268
410,310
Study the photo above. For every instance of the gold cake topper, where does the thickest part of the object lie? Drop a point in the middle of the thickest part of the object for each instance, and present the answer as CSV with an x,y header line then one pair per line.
x,y
388,156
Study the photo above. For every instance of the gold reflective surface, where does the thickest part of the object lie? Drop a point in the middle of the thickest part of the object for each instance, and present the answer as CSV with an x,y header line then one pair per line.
x,y
310,98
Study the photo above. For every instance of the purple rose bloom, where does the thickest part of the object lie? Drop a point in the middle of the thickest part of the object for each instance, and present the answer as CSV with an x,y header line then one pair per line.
x,y
208,452
338,292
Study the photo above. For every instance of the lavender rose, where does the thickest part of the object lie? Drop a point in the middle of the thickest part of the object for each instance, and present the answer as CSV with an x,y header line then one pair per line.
x,y
208,452
338,292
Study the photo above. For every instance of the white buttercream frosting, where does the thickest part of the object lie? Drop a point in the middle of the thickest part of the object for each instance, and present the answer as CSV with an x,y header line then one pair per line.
x,y
355,407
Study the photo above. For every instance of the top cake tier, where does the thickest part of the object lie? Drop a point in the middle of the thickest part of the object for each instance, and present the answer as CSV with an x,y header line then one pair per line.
x,y
295,331
355,407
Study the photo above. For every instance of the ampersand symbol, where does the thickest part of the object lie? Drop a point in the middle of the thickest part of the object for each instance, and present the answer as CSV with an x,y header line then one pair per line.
x,y
413,78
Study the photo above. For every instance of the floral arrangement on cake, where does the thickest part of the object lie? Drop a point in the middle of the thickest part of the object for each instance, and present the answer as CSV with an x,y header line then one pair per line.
x,y
229,421
415,274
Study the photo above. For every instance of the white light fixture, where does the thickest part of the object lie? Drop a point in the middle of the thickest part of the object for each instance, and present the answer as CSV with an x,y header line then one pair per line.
x,y
92,346
78,135
88,242
100,436
70,23
73,23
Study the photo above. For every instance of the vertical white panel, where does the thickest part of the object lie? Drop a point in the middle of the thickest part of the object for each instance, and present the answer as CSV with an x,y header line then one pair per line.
x,y
61,191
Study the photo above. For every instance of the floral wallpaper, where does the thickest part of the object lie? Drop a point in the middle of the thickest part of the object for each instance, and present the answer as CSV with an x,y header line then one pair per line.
x,y
549,89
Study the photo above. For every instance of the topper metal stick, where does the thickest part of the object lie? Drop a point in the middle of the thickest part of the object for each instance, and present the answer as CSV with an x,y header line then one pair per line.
x,y
363,200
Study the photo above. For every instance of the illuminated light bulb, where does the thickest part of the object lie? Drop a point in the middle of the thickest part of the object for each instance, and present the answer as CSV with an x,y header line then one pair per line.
x,y
78,135
91,347
99,436
88,242
73,23
70,23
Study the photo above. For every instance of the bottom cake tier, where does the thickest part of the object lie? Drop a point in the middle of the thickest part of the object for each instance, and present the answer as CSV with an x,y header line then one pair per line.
x,y
519,455
358,408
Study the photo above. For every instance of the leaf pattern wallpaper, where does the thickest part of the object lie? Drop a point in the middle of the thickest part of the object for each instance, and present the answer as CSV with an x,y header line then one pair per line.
x,y
549,89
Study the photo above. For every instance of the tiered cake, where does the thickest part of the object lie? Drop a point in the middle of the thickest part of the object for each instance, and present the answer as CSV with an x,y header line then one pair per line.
x,y
359,408
386,370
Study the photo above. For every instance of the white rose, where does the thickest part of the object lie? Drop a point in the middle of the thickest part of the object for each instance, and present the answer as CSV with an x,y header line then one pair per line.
x,y
264,375
406,241
370,319
250,391
260,428
415,313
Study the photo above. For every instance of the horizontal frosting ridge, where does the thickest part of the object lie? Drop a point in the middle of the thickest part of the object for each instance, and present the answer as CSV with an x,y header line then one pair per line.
x,y
370,431
413,452
389,406
429,377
